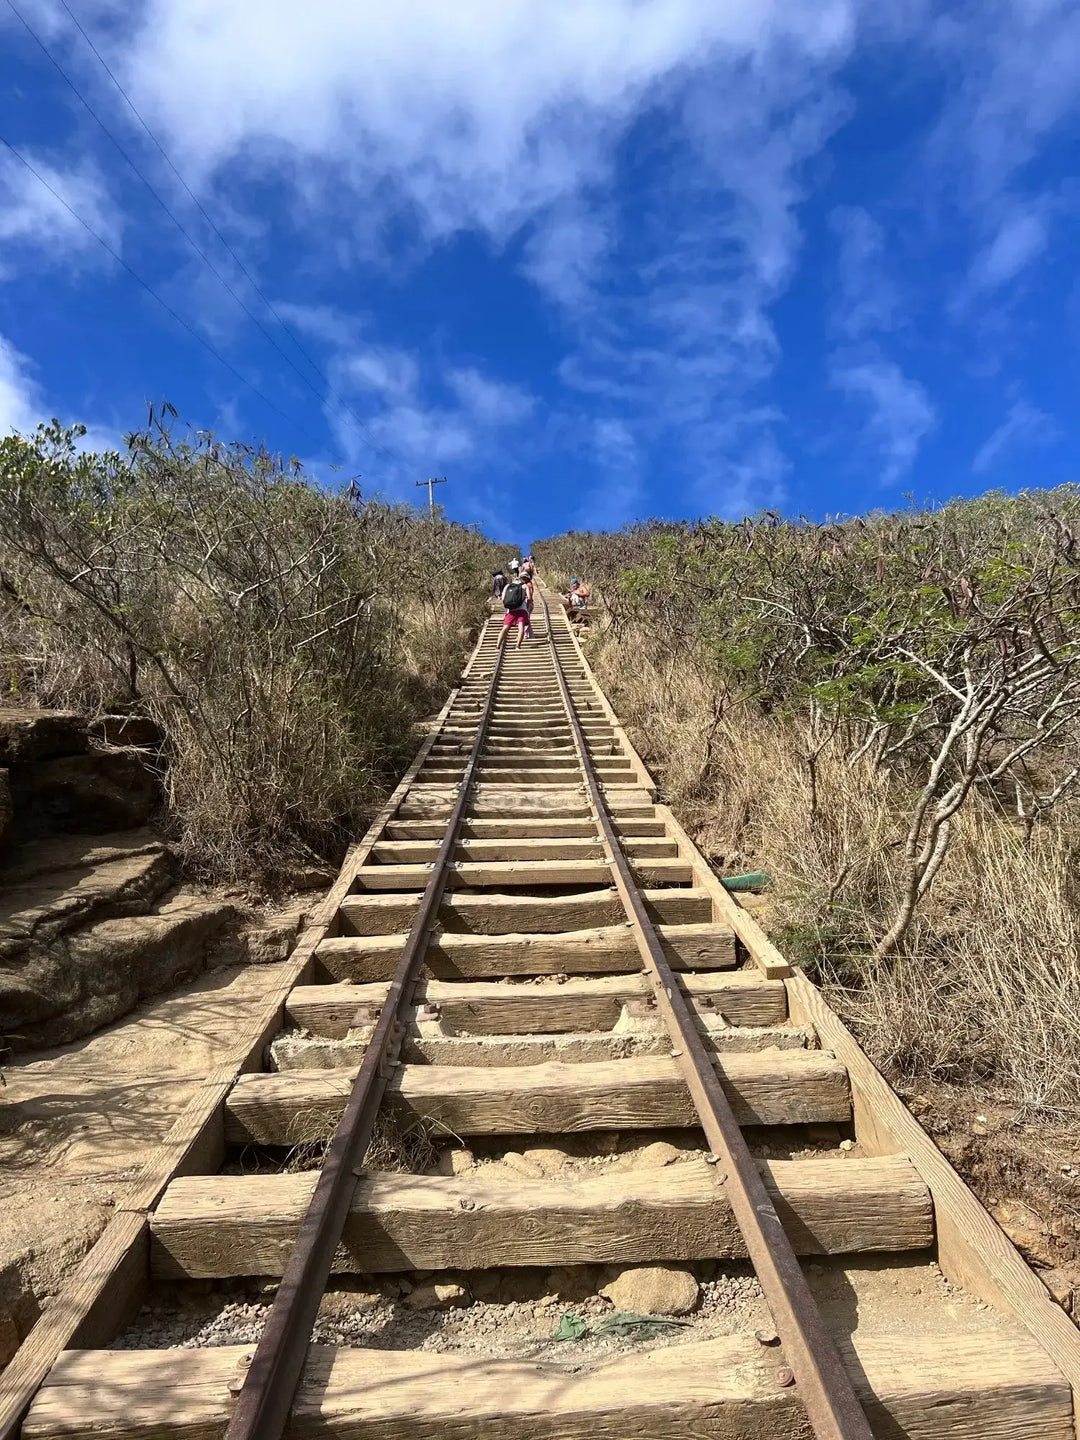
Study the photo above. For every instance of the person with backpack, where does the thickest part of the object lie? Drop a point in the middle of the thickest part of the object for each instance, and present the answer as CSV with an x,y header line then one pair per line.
x,y
498,581
515,605
530,595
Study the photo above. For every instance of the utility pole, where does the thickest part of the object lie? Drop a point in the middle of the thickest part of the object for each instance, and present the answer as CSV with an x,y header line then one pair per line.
x,y
430,482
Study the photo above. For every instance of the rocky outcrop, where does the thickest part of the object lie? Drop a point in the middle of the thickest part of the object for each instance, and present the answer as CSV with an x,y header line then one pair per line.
x,y
29,735
85,933
137,730
7,812
63,775
93,793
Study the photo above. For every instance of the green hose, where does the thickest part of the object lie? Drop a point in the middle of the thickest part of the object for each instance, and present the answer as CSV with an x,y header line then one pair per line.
x,y
752,883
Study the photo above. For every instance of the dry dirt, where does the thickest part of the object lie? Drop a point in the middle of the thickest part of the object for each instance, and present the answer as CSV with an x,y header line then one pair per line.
x,y
76,1123
1026,1173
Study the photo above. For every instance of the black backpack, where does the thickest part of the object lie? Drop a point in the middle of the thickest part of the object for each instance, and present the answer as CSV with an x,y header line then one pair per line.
x,y
514,596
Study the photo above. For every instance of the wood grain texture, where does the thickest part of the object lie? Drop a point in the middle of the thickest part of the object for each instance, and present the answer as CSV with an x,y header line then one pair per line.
x,y
601,950
773,1088
525,826
223,1226
377,914
520,848
491,1008
972,1250
923,1386
506,874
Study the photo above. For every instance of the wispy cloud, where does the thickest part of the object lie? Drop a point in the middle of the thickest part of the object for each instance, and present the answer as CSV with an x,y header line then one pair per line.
x,y
426,418
1020,237
867,299
21,406
899,414
36,226
1024,428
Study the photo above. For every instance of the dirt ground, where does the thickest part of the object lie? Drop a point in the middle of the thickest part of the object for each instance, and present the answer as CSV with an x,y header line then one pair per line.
x,y
1027,1174
76,1123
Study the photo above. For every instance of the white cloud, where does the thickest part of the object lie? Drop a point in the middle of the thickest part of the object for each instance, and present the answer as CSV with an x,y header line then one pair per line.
x,y
1014,73
483,113
1023,428
20,403
34,219
1021,237
392,393
23,407
490,402
565,254
900,414
867,300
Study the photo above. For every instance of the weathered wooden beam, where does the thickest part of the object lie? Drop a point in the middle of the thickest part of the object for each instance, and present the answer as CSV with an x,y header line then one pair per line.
x,y
376,914
928,1386
514,846
490,1008
771,1088
525,826
227,1225
507,874
599,950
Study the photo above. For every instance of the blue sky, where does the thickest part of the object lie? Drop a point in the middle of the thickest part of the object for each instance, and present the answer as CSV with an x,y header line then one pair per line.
x,y
591,259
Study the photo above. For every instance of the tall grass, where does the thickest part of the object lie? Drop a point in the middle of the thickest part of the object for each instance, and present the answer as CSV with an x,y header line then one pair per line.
x,y
987,989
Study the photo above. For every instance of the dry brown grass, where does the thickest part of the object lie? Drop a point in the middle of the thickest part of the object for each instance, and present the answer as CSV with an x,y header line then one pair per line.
x,y
988,990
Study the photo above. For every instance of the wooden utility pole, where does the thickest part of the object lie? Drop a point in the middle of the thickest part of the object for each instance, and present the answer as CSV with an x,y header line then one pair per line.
x,y
431,483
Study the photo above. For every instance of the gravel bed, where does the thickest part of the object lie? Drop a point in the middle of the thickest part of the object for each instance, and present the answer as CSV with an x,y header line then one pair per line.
x,y
514,1328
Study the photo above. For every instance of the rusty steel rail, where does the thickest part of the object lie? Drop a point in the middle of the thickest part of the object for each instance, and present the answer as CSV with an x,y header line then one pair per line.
x,y
269,1387
824,1386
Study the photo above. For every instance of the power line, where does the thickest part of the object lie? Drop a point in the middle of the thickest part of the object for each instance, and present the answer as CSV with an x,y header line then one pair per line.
x,y
154,294
196,247
187,188
431,482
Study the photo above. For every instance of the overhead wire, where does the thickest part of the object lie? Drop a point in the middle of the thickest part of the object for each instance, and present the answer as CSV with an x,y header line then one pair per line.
x,y
331,394
145,284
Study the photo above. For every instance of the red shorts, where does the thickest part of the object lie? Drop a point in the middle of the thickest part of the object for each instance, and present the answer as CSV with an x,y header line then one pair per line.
x,y
515,617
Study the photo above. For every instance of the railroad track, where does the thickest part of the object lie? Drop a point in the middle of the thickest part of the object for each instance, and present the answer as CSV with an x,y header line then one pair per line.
x,y
526,958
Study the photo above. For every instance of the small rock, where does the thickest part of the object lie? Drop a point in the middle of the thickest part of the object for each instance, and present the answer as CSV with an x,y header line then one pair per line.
x,y
653,1290
437,1297
847,1144
656,1155
1023,1227
550,1160
1060,1287
522,1165
309,877
455,1162
339,1305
